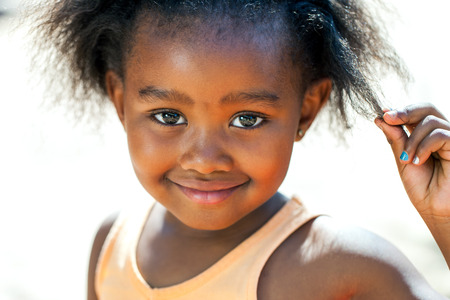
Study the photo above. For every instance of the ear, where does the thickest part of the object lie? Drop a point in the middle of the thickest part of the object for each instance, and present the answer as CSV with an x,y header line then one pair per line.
x,y
315,97
114,88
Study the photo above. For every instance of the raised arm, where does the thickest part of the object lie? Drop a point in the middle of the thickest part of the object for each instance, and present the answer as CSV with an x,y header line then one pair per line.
x,y
423,161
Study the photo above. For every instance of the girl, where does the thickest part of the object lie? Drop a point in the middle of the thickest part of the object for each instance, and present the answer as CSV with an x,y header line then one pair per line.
x,y
212,96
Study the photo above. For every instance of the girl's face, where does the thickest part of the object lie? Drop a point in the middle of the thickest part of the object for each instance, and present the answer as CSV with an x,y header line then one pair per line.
x,y
210,125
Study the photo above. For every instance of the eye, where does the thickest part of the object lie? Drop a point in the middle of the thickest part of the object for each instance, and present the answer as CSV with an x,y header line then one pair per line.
x,y
170,118
247,121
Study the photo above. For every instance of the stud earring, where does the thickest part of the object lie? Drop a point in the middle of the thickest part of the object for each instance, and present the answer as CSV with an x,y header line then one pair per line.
x,y
300,133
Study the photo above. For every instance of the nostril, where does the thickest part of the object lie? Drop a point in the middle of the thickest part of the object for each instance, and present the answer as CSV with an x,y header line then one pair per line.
x,y
206,160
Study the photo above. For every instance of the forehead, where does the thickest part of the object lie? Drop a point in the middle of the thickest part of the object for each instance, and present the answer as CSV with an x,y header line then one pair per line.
x,y
260,48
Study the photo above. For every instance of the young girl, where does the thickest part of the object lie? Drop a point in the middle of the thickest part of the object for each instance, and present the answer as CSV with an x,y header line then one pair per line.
x,y
212,96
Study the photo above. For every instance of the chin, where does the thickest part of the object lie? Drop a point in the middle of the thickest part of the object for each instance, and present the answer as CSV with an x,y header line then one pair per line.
x,y
208,224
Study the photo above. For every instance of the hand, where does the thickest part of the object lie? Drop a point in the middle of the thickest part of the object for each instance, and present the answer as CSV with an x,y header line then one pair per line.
x,y
423,158
423,161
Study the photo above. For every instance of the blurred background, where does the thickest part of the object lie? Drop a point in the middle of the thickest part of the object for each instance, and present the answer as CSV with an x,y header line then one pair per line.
x,y
58,182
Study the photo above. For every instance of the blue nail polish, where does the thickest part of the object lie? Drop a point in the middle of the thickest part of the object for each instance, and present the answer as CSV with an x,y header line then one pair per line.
x,y
404,156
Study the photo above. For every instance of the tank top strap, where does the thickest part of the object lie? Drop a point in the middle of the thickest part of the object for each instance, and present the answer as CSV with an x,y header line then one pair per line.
x,y
292,216
115,276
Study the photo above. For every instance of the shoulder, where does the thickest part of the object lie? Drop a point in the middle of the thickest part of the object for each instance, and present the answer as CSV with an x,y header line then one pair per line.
x,y
326,258
97,246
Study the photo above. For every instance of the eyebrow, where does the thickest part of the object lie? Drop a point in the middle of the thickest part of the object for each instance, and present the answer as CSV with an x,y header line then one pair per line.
x,y
258,97
151,94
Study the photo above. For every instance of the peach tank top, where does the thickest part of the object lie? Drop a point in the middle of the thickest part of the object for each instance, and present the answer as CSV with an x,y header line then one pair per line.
x,y
234,276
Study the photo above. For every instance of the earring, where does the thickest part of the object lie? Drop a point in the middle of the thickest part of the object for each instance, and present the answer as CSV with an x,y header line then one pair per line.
x,y
300,133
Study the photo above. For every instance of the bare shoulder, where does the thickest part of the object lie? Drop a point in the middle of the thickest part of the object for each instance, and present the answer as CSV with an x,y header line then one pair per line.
x,y
327,259
97,245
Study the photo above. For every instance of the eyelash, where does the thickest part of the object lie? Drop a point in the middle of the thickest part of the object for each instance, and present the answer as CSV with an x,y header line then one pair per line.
x,y
262,119
154,118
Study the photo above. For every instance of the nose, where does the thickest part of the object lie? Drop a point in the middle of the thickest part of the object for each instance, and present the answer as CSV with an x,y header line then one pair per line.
x,y
205,153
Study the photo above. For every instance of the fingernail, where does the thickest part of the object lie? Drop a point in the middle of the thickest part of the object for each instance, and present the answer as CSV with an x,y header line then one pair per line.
x,y
392,114
404,156
415,160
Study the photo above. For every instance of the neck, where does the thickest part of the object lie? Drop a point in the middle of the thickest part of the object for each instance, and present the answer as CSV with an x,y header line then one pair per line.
x,y
168,242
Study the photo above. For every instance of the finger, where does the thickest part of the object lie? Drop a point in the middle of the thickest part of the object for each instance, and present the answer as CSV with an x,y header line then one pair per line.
x,y
392,116
424,128
396,137
412,114
438,141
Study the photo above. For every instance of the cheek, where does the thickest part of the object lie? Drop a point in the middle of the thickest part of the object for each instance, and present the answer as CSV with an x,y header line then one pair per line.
x,y
269,161
150,155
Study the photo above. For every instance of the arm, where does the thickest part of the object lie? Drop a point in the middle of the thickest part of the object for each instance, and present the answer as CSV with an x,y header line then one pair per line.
x,y
327,259
423,161
368,266
99,240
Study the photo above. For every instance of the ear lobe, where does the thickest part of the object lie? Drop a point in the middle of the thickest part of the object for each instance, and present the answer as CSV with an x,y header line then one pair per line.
x,y
315,97
114,88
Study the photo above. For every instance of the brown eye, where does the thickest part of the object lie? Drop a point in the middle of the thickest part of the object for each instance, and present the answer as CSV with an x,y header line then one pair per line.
x,y
247,121
170,118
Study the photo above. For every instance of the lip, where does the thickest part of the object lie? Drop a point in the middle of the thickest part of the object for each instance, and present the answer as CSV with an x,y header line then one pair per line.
x,y
207,192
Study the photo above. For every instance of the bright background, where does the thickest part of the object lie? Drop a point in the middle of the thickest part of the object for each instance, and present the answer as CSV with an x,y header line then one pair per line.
x,y
57,182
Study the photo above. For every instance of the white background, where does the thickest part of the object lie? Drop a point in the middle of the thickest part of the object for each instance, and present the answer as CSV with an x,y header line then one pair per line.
x,y
57,182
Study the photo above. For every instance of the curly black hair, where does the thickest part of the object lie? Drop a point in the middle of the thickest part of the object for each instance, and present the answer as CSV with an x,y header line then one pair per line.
x,y
336,39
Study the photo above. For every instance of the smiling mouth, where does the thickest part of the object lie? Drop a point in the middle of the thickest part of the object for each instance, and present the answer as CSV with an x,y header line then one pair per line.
x,y
208,193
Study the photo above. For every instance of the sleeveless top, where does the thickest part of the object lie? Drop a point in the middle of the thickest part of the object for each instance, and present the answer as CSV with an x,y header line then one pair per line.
x,y
234,276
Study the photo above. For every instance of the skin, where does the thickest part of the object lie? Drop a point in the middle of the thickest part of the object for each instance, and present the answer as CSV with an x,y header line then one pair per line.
x,y
207,86
213,192
425,172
